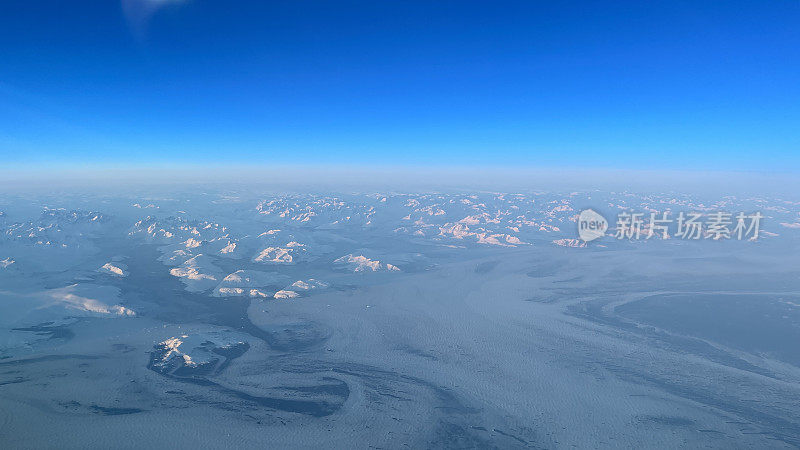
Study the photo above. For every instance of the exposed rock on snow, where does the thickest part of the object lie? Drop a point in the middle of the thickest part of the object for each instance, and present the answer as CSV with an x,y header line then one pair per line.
x,y
286,294
228,248
286,248
192,243
56,228
462,230
111,269
576,243
195,355
190,233
275,255
198,273
361,263
244,282
258,293
307,285
175,257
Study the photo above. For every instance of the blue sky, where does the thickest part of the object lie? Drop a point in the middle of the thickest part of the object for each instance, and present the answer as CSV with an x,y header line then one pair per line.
x,y
661,84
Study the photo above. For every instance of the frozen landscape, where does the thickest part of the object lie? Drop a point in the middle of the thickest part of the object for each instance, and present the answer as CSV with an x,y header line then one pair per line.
x,y
399,225
229,317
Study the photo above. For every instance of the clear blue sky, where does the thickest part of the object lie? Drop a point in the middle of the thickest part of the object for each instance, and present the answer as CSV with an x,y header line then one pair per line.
x,y
636,84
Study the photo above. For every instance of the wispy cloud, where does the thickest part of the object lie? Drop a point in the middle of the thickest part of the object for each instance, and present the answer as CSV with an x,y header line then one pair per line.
x,y
139,12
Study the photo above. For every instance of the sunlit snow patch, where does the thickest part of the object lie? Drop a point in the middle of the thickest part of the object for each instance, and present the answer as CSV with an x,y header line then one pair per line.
x,y
360,263
112,269
282,294
307,285
196,354
248,282
87,299
198,273
275,255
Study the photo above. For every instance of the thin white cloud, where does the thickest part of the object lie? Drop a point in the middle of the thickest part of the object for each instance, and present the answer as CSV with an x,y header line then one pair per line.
x,y
139,12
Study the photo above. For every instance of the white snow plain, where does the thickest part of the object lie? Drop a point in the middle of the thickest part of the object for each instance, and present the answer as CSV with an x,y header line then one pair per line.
x,y
237,318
